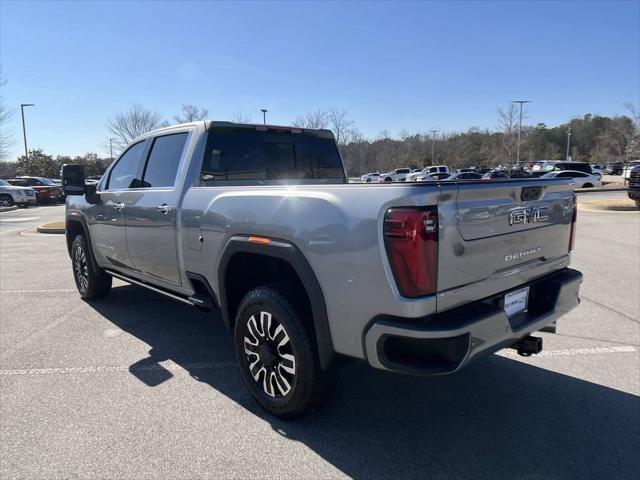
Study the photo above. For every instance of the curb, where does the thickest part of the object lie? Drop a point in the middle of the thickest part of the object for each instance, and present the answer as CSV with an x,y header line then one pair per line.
x,y
51,228
8,209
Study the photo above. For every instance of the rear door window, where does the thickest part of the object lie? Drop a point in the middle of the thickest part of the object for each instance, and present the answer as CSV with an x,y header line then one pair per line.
x,y
162,166
245,155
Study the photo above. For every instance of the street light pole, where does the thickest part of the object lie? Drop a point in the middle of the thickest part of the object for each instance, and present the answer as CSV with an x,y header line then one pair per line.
x,y
111,147
519,131
568,140
264,115
433,144
24,133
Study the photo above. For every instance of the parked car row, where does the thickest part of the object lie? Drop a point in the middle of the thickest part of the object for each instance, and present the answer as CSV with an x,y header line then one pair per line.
x,y
584,175
39,190
15,195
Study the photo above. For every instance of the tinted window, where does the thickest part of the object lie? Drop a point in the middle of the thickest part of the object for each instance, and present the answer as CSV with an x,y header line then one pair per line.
x,y
127,167
164,158
570,175
240,154
582,167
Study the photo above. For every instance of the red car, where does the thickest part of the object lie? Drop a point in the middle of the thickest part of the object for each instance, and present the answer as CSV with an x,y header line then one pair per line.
x,y
47,191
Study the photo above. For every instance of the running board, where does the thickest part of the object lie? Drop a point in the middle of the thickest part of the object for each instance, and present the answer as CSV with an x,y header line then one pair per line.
x,y
149,287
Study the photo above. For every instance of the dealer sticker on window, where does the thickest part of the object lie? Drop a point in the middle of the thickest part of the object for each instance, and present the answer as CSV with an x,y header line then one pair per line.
x,y
516,302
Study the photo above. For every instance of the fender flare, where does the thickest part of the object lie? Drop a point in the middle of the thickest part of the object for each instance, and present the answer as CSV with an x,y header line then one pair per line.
x,y
288,252
77,217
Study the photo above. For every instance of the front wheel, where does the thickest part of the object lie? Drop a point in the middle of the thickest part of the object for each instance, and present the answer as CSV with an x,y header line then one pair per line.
x,y
6,200
90,283
277,355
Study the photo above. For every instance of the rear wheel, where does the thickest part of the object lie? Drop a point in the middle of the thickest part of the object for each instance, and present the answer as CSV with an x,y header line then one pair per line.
x,y
91,284
6,200
277,355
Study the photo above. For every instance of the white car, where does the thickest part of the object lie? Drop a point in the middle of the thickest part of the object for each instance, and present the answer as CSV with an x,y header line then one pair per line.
x,y
397,175
370,177
581,179
626,171
425,178
543,165
597,170
412,177
14,195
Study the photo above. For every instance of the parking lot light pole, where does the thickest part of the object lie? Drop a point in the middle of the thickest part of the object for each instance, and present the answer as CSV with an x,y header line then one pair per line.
x,y
24,131
519,131
433,145
568,140
111,147
264,115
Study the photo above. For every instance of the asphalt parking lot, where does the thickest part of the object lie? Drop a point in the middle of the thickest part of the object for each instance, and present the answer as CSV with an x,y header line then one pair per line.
x,y
138,386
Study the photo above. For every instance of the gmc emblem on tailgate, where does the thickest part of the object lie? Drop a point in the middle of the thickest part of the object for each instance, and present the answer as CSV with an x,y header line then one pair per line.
x,y
523,215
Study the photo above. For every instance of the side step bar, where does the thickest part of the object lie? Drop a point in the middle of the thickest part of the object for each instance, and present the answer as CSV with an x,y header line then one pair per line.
x,y
155,289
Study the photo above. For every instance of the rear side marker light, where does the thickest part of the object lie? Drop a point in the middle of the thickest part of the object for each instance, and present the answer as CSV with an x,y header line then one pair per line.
x,y
411,242
262,240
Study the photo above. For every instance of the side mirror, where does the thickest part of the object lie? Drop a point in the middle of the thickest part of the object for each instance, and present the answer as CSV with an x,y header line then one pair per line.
x,y
91,193
73,179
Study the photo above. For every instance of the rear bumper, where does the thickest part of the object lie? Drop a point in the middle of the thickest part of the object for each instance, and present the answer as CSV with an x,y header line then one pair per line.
x,y
446,342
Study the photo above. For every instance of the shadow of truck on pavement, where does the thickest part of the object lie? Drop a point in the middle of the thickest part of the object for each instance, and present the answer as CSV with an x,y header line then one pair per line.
x,y
499,418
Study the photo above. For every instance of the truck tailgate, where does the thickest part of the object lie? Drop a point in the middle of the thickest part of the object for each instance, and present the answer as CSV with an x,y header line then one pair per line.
x,y
498,235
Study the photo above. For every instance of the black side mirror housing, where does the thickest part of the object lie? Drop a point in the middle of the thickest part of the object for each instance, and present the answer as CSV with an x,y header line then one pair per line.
x,y
73,179
91,193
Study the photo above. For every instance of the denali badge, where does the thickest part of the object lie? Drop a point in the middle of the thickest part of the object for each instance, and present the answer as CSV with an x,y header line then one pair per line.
x,y
528,215
522,253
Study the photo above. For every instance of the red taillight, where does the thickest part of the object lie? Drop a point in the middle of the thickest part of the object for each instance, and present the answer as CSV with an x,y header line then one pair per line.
x,y
574,216
411,241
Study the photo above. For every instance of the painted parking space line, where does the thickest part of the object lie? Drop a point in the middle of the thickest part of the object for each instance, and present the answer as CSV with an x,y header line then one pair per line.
x,y
172,366
59,290
576,351
21,219
117,369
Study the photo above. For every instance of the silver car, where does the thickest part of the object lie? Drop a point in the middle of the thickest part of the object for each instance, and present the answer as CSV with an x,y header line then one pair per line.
x,y
11,195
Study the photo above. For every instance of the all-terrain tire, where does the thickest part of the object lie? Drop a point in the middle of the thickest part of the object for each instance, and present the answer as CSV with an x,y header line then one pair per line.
x,y
277,354
91,284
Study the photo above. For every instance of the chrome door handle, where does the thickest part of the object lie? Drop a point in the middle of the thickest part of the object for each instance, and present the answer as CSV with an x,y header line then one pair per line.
x,y
164,208
118,206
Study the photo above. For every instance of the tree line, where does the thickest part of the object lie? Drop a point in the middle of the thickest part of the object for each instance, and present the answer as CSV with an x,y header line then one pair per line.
x,y
590,138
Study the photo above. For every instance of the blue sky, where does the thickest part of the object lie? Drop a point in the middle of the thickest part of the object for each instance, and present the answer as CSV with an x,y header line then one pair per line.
x,y
394,66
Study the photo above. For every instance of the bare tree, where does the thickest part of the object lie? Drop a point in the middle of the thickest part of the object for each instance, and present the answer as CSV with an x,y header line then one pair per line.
x,y
317,119
191,113
125,126
239,117
508,126
633,139
6,140
340,125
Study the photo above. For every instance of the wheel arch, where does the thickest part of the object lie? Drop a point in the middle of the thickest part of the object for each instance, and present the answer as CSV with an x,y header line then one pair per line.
x,y
282,251
75,225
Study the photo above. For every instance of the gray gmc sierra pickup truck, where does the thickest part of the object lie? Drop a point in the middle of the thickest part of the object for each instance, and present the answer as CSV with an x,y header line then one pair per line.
x,y
261,223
